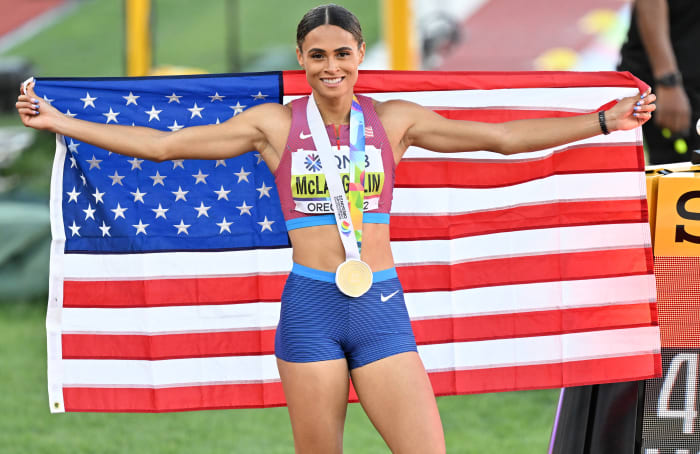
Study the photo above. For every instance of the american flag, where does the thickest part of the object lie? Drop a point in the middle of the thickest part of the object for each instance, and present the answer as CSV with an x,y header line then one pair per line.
x,y
520,272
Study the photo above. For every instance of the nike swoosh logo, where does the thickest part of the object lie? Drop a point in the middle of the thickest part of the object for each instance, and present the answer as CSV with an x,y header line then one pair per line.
x,y
303,136
388,297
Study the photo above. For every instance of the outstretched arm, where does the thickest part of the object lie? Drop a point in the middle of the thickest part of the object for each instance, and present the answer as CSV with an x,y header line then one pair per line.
x,y
424,128
251,130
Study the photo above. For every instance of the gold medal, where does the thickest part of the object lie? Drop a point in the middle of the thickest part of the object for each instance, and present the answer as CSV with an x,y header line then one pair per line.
x,y
353,278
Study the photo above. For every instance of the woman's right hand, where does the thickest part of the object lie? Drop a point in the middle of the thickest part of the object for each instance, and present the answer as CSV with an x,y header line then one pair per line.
x,y
34,111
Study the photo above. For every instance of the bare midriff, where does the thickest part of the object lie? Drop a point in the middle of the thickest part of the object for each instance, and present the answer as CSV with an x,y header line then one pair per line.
x,y
320,247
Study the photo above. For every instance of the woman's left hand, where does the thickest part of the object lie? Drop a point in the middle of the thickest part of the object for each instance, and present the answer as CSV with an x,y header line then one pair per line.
x,y
631,112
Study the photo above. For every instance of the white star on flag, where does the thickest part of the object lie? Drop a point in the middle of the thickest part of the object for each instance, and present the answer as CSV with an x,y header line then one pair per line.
x,y
175,127
94,162
216,97
118,212
75,230
200,177
238,108
88,101
180,194
153,113
140,227
73,196
90,212
73,147
116,179
138,195
202,210
174,98
222,193
220,162
178,163
266,225
48,101
158,178
182,227
73,162
196,111
105,229
111,115
242,175
244,209
259,96
98,196
264,190
135,163
131,99
224,226
160,211
69,113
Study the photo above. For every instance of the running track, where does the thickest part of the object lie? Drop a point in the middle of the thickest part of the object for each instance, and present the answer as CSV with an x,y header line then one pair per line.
x,y
509,35
15,13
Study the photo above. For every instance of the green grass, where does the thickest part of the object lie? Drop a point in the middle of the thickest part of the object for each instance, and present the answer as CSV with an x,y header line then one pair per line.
x,y
507,422
33,167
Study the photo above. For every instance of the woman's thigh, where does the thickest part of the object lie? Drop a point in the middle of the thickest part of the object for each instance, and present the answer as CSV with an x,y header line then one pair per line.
x,y
317,397
398,398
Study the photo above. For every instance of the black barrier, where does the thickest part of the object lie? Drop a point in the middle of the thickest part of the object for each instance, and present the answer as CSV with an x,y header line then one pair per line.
x,y
599,419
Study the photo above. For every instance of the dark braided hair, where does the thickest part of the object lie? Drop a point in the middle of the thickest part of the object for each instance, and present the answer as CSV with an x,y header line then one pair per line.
x,y
330,14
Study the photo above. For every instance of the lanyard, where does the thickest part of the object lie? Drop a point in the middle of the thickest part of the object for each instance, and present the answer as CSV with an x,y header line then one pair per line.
x,y
348,215
356,190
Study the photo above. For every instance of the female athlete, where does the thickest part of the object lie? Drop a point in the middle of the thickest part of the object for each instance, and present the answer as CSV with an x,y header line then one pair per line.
x,y
324,335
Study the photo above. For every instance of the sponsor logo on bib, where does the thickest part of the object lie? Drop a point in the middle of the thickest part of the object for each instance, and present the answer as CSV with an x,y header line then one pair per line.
x,y
312,162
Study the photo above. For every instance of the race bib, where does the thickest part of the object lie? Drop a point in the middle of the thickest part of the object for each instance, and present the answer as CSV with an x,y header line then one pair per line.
x,y
309,188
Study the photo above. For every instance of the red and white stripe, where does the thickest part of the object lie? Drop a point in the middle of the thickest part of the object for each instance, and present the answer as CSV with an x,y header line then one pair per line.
x,y
520,272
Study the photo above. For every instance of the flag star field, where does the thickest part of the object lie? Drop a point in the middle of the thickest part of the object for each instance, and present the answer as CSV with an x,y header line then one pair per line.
x,y
118,204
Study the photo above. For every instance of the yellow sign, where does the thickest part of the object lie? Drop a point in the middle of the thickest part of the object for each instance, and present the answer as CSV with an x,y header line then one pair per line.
x,y
677,232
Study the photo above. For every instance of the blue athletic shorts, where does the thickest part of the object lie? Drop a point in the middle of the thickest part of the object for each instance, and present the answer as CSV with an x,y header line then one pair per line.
x,y
318,322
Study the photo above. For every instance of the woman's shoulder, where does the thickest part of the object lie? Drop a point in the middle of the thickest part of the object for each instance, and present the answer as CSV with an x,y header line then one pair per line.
x,y
297,103
268,118
396,110
398,107
268,112
273,108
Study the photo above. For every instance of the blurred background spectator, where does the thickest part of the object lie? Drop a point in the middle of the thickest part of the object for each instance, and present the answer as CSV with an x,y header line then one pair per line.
x,y
662,49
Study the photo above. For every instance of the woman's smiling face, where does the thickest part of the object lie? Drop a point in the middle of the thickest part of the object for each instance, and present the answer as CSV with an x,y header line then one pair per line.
x,y
330,56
